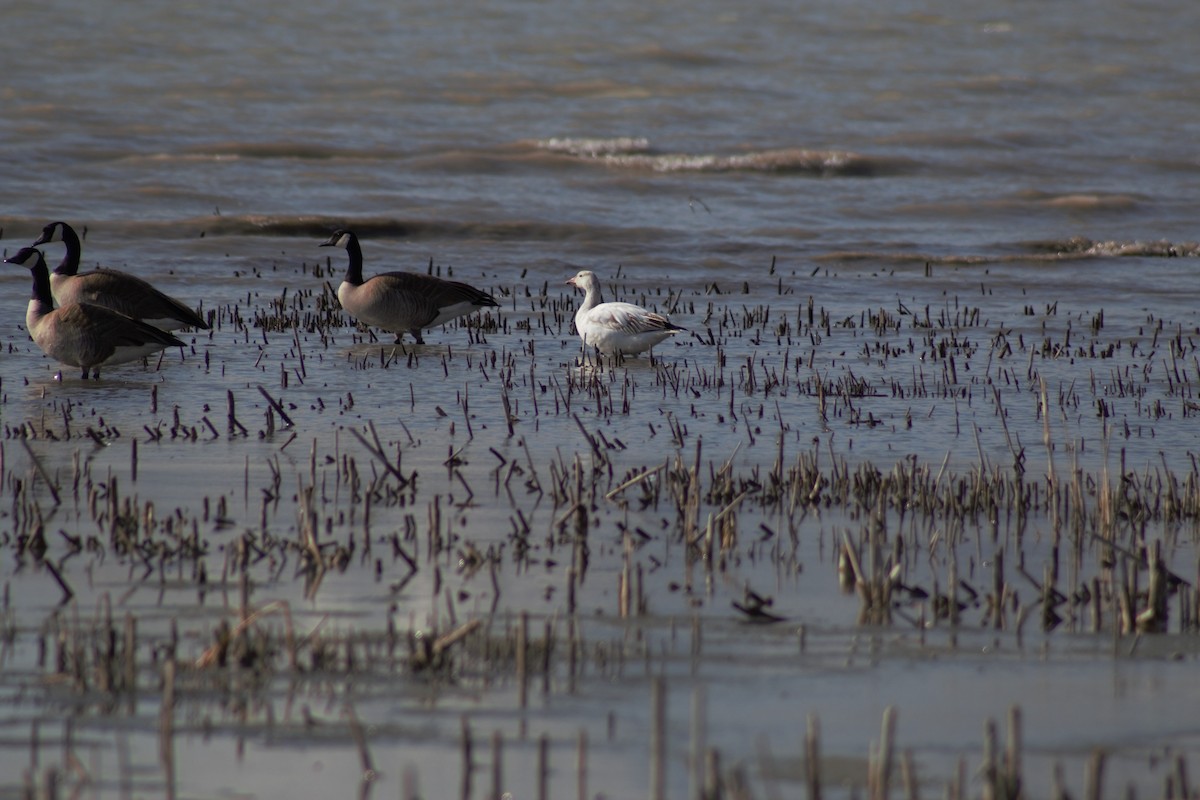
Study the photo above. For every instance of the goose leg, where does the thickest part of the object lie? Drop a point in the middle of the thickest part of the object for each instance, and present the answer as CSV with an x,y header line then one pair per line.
x,y
416,332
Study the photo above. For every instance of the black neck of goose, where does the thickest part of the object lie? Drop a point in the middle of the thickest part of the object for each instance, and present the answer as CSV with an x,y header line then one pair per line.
x,y
70,263
354,271
41,284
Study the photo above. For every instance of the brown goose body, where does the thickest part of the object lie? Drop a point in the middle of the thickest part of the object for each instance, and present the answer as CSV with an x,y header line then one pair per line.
x,y
120,291
402,301
84,335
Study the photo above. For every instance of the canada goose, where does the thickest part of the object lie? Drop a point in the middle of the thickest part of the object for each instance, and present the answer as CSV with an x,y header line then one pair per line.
x,y
82,334
614,328
119,291
402,301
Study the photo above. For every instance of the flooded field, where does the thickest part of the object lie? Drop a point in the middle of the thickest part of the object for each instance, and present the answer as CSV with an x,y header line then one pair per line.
x,y
910,509
928,530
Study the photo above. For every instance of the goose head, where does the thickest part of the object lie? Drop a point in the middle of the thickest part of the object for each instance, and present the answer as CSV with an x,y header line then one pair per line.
x,y
585,279
31,258
340,238
59,231
22,258
56,232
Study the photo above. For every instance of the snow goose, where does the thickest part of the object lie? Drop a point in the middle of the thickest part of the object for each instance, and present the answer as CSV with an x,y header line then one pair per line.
x,y
119,291
402,301
83,334
614,328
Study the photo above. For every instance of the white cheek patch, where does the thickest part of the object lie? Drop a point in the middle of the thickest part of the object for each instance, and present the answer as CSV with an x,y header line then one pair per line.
x,y
24,257
344,241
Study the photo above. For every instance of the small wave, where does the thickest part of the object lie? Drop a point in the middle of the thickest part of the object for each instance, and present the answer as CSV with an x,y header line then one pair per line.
x,y
271,150
237,151
1089,201
319,226
1081,247
619,152
635,153
848,256
1073,249
595,148
1027,202
657,54
822,162
370,227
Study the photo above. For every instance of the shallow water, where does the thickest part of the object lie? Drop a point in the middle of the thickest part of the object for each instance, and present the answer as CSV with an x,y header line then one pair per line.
x,y
973,202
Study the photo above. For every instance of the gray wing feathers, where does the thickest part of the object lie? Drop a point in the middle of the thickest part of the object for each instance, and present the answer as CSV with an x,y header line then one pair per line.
x,y
647,324
127,294
437,291
89,334
630,319
406,301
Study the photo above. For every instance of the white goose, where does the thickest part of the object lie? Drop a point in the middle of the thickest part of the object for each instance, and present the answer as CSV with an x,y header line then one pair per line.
x,y
111,288
614,328
402,301
82,334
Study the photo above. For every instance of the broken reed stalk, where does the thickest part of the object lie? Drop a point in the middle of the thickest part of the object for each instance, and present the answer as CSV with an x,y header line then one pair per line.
x,y
1012,787
283,415
166,726
641,476
623,578
497,764
908,773
581,752
209,657
658,738
990,771
1093,784
543,767
1153,619
699,741
231,415
408,784
130,666
67,591
446,641
309,526
881,774
360,741
468,761
522,661
812,757
508,415
41,470
376,450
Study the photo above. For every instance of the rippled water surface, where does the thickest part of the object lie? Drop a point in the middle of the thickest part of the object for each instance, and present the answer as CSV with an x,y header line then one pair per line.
x,y
955,241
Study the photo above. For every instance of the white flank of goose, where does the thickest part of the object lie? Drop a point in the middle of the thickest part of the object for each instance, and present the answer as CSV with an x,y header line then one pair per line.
x,y
402,301
617,328
82,334
119,291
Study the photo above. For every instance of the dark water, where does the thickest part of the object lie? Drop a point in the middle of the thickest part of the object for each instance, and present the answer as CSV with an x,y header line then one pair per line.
x,y
984,174
669,137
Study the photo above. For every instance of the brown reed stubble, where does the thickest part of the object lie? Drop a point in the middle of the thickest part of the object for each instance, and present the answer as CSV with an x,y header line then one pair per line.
x,y
911,523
